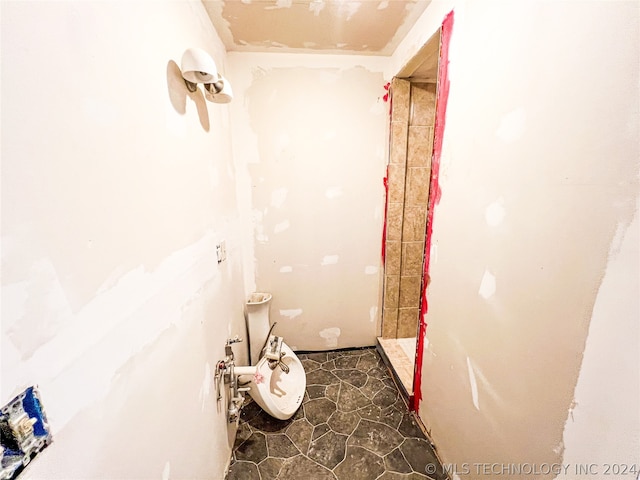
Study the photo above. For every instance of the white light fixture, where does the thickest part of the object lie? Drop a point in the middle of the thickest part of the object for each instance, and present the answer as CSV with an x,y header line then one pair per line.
x,y
198,67
219,92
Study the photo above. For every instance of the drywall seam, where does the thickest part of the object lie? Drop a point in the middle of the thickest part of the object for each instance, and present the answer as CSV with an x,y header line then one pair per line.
x,y
126,306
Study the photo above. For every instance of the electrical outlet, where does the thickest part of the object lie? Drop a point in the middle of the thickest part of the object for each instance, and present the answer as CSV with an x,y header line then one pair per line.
x,y
24,432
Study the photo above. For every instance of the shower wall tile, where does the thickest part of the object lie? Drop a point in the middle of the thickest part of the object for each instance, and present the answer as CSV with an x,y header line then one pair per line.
x,y
393,252
396,181
399,137
423,104
420,146
410,291
391,290
394,222
408,322
389,322
415,223
417,186
412,258
400,91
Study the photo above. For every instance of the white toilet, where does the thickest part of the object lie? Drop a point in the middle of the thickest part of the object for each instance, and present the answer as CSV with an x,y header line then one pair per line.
x,y
276,378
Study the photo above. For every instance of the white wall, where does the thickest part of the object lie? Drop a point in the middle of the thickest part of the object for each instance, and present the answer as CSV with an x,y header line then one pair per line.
x,y
310,139
534,244
116,187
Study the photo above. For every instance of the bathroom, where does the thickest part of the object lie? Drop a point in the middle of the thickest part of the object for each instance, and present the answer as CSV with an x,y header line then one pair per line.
x,y
117,190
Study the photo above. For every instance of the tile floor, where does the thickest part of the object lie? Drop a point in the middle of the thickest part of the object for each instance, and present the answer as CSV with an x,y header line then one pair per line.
x,y
401,353
353,424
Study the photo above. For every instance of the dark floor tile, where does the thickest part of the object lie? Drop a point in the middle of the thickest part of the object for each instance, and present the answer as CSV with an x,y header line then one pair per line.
x,y
320,430
316,391
419,455
319,357
395,462
347,361
270,468
350,398
359,464
279,445
344,422
409,427
243,471
332,392
353,377
353,425
253,449
329,449
319,410
266,423
309,365
376,437
300,433
321,377
385,397
302,468
368,361
372,387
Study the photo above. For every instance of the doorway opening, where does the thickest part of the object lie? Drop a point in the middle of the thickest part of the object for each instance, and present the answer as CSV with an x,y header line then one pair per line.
x,y
417,122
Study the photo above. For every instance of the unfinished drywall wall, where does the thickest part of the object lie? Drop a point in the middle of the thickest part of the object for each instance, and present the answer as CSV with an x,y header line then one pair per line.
x,y
539,181
311,133
116,187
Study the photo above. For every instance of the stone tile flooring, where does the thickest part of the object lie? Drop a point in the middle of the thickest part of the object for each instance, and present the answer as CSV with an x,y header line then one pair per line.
x,y
353,425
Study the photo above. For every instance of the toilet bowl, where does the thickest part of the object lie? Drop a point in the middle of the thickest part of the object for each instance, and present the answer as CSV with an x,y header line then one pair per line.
x,y
276,377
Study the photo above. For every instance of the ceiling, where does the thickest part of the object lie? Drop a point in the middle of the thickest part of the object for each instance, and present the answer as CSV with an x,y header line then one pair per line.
x,y
364,27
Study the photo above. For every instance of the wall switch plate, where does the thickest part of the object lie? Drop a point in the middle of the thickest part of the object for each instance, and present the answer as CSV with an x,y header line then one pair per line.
x,y
24,432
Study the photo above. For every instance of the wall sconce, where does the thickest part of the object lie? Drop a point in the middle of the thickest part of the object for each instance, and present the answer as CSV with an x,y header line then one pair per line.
x,y
218,92
197,66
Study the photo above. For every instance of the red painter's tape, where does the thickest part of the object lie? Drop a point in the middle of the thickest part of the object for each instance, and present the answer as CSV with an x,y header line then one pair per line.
x,y
434,194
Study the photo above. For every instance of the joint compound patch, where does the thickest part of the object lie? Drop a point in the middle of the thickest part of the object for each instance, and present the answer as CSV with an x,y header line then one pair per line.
x,y
494,213
166,472
474,385
487,285
373,313
286,269
330,336
291,313
370,270
281,227
278,197
330,260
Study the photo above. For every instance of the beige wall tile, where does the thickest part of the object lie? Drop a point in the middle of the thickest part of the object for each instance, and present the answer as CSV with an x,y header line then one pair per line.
x,y
410,291
408,322
412,258
423,104
394,221
398,141
389,322
396,181
400,91
419,146
392,258
415,223
391,290
417,186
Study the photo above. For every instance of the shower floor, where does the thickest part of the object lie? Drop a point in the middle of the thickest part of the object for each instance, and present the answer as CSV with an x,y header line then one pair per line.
x,y
401,353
